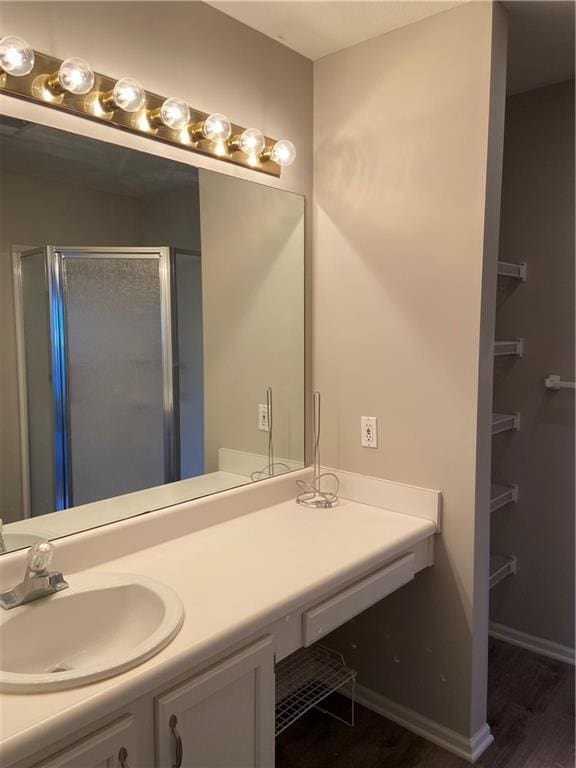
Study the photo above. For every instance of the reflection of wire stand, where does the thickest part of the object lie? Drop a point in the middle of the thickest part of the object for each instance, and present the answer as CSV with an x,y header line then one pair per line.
x,y
312,494
270,469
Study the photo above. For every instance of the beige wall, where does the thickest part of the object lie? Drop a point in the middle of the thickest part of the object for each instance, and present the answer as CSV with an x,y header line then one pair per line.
x,y
403,215
253,288
538,227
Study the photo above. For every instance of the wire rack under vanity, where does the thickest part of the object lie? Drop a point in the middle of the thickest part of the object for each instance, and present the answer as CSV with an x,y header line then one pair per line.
x,y
305,679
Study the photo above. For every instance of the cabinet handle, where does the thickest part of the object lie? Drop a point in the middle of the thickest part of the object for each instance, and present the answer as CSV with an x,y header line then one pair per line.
x,y
178,751
123,757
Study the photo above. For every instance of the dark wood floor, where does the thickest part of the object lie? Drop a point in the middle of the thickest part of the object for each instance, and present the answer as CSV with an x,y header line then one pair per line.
x,y
530,712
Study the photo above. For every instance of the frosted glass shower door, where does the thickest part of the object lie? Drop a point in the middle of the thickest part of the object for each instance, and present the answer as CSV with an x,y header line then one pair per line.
x,y
115,306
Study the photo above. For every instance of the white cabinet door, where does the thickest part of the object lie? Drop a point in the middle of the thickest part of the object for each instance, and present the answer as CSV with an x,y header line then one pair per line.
x,y
111,747
224,718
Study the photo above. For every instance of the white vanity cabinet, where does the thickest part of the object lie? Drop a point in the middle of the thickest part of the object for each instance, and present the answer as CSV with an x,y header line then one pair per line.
x,y
222,718
110,747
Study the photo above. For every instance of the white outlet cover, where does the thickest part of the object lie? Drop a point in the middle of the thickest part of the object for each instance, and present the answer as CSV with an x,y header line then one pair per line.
x,y
263,418
369,431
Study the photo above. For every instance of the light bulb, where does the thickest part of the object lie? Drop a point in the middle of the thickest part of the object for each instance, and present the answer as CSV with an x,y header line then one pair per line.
x,y
75,76
283,153
175,113
16,56
216,127
128,95
251,141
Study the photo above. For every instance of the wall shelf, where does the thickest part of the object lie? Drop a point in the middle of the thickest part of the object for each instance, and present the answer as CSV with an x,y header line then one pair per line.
x,y
513,347
502,422
501,495
509,269
501,566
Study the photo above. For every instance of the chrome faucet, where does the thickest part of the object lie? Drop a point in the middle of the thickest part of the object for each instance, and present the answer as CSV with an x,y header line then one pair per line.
x,y
38,580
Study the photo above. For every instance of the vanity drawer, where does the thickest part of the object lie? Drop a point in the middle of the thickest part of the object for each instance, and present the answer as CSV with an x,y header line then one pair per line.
x,y
323,618
113,746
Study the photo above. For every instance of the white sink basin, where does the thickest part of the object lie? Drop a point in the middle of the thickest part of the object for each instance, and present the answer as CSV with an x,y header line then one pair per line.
x,y
102,625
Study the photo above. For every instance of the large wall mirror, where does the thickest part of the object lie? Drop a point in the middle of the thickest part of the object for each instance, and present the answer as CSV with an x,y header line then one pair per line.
x,y
151,336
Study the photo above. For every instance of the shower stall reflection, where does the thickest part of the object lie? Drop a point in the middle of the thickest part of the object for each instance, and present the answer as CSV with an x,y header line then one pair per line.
x,y
113,386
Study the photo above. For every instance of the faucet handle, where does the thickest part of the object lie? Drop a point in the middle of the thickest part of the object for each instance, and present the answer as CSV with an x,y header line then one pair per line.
x,y
40,556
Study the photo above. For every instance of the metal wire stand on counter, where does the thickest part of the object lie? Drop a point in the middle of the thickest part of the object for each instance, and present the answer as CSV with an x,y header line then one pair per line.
x,y
306,678
311,492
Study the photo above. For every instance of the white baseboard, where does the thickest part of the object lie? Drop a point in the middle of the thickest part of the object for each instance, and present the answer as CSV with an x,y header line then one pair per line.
x,y
532,643
469,749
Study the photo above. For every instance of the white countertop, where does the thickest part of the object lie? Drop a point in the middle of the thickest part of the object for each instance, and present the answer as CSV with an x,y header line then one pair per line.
x,y
234,579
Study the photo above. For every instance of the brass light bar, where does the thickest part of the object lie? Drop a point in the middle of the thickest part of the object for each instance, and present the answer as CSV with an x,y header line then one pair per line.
x,y
41,86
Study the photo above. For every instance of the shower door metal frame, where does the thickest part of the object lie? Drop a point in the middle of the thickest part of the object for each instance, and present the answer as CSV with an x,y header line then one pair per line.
x,y
18,253
56,257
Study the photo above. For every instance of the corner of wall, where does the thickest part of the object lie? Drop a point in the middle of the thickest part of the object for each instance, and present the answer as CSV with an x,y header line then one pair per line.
x,y
494,165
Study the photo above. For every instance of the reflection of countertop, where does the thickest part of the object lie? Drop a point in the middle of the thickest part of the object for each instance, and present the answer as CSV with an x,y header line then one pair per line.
x,y
235,579
76,519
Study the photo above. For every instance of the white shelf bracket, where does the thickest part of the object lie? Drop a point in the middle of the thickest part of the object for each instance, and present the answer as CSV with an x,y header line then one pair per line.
x,y
511,269
555,383
509,347
514,488
501,566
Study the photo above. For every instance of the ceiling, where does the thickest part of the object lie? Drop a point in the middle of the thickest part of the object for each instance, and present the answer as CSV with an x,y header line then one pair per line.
x,y
316,28
540,43
541,32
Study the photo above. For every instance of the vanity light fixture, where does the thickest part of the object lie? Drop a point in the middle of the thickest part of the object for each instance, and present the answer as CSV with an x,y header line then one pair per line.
x,y
16,56
127,95
216,128
73,76
124,104
251,142
173,113
283,153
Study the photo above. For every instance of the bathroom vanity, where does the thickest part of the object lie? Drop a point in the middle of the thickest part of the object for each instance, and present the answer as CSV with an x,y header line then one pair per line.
x,y
259,576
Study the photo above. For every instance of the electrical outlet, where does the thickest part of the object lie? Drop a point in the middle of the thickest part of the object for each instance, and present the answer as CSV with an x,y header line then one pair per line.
x,y
263,418
369,431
